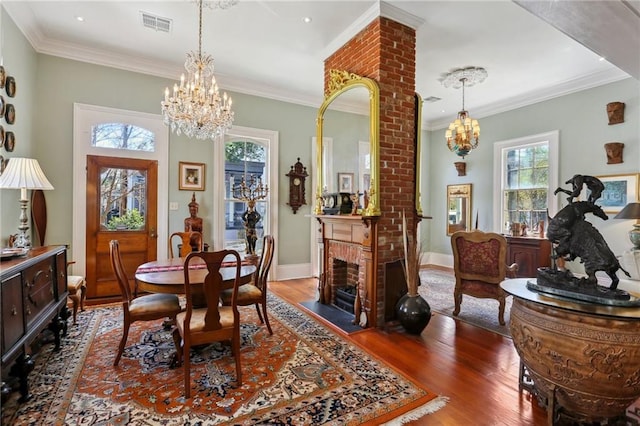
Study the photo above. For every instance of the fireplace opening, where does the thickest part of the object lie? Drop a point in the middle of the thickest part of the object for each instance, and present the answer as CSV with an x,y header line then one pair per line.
x,y
344,285
345,298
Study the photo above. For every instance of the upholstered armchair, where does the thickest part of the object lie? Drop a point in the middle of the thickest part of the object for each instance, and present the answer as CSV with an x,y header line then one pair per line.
x,y
480,264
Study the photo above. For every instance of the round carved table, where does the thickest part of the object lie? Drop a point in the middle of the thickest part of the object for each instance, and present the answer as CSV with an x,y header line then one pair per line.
x,y
580,359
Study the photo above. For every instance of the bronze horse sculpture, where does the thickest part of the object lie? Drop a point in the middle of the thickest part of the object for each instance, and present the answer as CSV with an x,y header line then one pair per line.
x,y
573,237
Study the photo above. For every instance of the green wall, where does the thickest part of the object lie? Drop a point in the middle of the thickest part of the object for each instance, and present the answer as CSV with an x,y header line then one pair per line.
x,y
20,61
582,122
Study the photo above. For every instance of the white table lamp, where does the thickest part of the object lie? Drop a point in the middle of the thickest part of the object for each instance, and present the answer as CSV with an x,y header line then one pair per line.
x,y
23,174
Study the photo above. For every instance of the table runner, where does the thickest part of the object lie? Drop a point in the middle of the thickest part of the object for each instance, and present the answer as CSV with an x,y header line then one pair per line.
x,y
144,270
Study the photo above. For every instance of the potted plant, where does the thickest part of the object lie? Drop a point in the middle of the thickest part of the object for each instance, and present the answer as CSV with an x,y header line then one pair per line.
x,y
413,312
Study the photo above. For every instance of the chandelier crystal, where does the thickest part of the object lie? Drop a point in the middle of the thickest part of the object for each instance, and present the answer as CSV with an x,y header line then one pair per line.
x,y
463,133
196,108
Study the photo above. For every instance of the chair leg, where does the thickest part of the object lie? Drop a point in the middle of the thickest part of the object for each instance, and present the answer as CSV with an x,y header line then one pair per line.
x,y
259,313
177,341
123,341
83,295
266,318
186,349
236,354
457,297
74,300
501,309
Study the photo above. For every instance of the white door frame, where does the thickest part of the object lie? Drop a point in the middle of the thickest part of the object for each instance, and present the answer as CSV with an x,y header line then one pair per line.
x,y
84,117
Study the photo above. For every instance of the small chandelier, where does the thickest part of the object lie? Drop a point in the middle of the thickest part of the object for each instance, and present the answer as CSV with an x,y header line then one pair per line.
x,y
463,133
196,108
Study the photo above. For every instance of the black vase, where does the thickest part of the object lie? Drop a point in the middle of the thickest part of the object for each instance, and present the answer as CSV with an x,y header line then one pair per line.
x,y
414,313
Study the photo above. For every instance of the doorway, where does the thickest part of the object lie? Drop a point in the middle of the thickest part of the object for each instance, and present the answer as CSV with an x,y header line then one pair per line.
x,y
123,138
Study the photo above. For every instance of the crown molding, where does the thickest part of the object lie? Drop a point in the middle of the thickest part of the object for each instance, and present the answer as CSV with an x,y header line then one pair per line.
x,y
568,87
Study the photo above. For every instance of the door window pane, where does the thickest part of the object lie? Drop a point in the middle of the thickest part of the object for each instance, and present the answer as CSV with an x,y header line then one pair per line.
x,y
122,199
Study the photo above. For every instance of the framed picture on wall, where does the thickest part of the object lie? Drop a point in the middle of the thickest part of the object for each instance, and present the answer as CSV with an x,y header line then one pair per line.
x,y
345,182
191,176
619,190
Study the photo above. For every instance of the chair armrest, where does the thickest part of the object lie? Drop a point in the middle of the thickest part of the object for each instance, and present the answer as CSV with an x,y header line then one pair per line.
x,y
512,270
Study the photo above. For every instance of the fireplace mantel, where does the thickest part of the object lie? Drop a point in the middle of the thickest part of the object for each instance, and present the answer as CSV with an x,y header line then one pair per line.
x,y
344,234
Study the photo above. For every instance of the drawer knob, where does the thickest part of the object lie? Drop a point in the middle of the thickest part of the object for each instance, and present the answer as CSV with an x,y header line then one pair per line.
x,y
14,311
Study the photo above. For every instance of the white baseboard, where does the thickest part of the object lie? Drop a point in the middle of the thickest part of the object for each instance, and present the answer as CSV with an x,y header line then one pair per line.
x,y
290,272
439,259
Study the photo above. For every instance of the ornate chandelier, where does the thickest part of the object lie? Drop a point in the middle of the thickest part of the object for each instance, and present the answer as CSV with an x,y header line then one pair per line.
x,y
196,108
463,133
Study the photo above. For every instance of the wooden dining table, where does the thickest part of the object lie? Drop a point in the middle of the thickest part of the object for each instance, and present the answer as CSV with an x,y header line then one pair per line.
x,y
167,275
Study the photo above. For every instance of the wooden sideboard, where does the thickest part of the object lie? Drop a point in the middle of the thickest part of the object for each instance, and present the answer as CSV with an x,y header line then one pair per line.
x,y
529,253
33,296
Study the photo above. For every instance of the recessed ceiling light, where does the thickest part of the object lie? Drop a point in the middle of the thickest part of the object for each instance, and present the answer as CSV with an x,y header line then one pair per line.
x,y
80,18
307,19
601,59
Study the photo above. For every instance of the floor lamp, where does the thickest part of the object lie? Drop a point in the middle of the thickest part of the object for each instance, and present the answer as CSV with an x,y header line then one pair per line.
x,y
23,174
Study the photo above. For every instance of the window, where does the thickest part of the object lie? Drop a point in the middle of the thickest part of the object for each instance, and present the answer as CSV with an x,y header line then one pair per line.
x,y
246,153
122,136
244,161
526,172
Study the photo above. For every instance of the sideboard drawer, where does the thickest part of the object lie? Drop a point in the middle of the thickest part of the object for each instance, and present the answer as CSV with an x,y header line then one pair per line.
x,y
12,318
38,287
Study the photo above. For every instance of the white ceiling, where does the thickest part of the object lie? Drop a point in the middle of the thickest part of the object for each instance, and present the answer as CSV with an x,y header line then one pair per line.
x,y
263,47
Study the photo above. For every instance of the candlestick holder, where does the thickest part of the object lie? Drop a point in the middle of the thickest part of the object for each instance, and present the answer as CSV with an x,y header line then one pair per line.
x,y
250,191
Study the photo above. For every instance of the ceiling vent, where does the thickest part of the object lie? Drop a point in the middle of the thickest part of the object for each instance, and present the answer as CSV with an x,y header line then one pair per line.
x,y
432,99
156,23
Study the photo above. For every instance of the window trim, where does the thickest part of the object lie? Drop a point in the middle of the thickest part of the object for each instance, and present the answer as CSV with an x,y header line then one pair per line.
x,y
499,148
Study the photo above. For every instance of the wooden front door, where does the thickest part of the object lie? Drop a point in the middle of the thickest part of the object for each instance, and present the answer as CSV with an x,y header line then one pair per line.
x,y
121,205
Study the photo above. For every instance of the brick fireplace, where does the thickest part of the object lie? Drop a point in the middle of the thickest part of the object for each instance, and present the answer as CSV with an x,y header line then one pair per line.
x,y
385,52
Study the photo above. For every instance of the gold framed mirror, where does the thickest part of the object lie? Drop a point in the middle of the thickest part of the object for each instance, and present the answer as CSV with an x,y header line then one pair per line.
x,y
341,83
458,208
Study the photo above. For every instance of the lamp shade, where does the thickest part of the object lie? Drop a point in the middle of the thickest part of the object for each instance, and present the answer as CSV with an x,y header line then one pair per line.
x,y
24,173
630,211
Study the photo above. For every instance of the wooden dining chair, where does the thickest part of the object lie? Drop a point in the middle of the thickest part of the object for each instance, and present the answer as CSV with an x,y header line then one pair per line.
x,y
212,323
255,293
142,308
184,242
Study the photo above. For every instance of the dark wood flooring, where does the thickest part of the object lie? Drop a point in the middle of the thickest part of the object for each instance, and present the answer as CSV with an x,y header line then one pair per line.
x,y
475,368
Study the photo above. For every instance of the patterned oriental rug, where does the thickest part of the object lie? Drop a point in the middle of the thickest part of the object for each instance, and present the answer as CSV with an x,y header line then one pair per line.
x,y
437,289
304,374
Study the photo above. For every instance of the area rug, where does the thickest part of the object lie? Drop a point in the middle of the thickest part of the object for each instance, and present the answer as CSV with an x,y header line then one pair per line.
x,y
437,289
303,374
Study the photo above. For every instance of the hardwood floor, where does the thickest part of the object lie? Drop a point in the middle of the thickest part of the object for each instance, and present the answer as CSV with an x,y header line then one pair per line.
x,y
475,368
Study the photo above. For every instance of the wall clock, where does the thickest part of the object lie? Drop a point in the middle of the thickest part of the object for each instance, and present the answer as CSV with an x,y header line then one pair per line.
x,y
297,176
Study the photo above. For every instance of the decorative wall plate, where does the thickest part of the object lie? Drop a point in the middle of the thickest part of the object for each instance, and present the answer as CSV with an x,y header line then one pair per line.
x,y
3,76
2,106
9,141
3,164
1,136
10,86
10,114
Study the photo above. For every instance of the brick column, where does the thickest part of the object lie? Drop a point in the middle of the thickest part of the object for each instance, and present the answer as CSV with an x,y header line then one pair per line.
x,y
385,52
